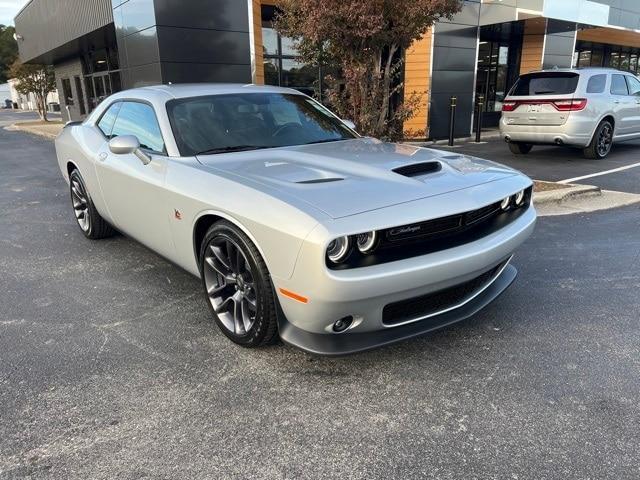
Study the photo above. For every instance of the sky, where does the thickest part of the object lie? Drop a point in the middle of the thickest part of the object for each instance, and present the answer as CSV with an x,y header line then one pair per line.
x,y
8,10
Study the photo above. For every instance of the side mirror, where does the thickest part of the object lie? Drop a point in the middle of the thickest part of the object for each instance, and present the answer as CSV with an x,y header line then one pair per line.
x,y
127,144
349,124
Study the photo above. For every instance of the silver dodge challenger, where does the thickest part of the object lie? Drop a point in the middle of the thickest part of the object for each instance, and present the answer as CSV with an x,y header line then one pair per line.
x,y
297,226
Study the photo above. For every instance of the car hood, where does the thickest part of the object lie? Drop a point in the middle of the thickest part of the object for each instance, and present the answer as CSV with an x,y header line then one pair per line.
x,y
354,176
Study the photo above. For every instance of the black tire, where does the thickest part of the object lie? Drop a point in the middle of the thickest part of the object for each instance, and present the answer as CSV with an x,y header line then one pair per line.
x,y
264,329
601,142
92,225
520,148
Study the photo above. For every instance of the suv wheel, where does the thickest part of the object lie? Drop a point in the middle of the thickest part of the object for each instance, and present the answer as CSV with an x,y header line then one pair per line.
x,y
520,148
601,142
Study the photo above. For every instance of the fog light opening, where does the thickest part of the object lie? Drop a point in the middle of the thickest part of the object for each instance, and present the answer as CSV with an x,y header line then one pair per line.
x,y
342,324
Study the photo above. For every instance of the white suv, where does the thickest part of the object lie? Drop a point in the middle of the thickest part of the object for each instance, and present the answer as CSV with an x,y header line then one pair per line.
x,y
588,108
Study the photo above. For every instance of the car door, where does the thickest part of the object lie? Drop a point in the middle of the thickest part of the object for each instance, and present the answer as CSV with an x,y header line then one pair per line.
x,y
134,193
633,84
624,105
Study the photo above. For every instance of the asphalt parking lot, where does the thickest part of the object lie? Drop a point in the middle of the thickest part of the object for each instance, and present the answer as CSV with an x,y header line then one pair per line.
x,y
110,366
561,163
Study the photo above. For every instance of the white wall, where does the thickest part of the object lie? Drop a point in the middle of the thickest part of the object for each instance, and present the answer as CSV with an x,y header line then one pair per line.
x,y
5,93
27,102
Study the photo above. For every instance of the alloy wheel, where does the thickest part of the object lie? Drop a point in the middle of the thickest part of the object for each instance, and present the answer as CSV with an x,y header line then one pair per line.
x,y
230,285
605,139
80,204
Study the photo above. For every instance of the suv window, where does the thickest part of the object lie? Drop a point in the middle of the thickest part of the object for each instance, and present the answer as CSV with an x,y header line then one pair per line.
x,y
139,119
108,118
546,83
618,85
597,83
634,85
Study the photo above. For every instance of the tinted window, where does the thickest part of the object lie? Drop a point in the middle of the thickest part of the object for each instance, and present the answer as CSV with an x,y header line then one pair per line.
x,y
618,85
634,85
596,84
249,121
547,83
106,122
139,119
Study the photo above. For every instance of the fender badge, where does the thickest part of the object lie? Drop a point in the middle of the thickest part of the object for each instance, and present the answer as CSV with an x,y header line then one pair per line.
x,y
177,214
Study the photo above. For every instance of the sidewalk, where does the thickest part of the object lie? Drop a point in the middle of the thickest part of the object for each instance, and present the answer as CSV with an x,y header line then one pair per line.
x,y
49,129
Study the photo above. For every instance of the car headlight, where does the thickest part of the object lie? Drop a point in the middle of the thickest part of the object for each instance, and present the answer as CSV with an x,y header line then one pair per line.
x,y
367,241
506,203
520,198
338,249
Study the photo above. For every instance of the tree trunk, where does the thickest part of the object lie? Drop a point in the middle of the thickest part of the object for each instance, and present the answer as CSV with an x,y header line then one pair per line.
x,y
386,88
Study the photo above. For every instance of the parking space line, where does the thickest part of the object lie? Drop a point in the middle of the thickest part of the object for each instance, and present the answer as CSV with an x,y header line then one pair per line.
x,y
606,172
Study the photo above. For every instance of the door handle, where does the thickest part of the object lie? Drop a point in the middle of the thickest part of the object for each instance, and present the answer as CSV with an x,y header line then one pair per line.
x,y
616,101
103,156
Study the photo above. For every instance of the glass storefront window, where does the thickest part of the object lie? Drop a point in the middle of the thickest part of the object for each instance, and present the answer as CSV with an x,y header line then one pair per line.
x,y
596,58
281,67
584,59
633,63
624,61
270,41
271,71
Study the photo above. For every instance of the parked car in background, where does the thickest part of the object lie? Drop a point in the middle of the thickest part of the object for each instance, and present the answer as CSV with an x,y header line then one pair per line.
x,y
588,108
295,224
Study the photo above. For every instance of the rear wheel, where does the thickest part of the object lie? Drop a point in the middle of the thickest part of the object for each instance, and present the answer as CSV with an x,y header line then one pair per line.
x,y
237,286
520,148
601,142
93,226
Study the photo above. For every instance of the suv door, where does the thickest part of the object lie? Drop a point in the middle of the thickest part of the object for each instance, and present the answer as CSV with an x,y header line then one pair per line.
x,y
633,84
624,105
134,193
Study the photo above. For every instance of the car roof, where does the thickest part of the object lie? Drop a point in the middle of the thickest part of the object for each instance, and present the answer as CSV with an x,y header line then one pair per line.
x,y
579,70
186,90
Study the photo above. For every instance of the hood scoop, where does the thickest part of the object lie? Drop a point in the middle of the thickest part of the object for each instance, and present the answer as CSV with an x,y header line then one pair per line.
x,y
418,169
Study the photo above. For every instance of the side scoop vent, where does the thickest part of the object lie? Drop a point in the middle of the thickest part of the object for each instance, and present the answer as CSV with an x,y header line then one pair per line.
x,y
418,169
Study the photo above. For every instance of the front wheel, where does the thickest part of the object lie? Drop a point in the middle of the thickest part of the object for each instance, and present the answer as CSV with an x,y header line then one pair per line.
x,y
93,226
601,142
520,148
237,286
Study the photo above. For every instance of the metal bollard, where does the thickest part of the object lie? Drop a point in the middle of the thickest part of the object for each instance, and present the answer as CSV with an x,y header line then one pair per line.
x,y
479,112
452,118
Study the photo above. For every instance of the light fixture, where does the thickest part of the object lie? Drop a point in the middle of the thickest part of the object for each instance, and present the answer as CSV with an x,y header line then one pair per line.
x,y
506,203
338,249
520,198
367,241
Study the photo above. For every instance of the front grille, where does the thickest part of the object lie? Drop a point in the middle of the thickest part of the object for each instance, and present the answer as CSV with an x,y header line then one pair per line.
x,y
442,226
436,302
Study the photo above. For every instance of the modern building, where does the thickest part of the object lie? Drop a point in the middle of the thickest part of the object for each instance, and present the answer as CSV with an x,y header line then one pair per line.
x,y
101,46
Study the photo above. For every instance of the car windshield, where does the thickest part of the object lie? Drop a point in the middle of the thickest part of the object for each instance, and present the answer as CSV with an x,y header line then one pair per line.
x,y
250,121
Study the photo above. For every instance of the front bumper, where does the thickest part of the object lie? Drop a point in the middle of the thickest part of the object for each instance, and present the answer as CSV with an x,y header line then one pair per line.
x,y
363,293
353,342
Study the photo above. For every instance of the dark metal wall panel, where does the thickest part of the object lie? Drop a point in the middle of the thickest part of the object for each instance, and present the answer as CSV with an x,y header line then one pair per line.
x,y
454,69
48,24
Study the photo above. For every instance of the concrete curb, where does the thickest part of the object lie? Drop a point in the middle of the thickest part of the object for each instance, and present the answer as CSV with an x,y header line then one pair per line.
x,y
16,127
565,194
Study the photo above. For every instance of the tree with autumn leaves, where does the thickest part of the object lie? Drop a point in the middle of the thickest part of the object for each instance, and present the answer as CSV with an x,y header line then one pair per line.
x,y
364,41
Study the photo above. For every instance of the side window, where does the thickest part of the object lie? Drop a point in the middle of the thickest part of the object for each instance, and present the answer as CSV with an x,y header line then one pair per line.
x,y
618,85
108,118
139,119
596,84
634,85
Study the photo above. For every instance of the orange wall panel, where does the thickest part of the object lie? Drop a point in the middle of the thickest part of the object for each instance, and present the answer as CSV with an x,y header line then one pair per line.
x,y
417,81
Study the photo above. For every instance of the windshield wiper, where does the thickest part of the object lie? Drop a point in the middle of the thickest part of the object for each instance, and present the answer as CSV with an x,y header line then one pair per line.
x,y
327,140
234,148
